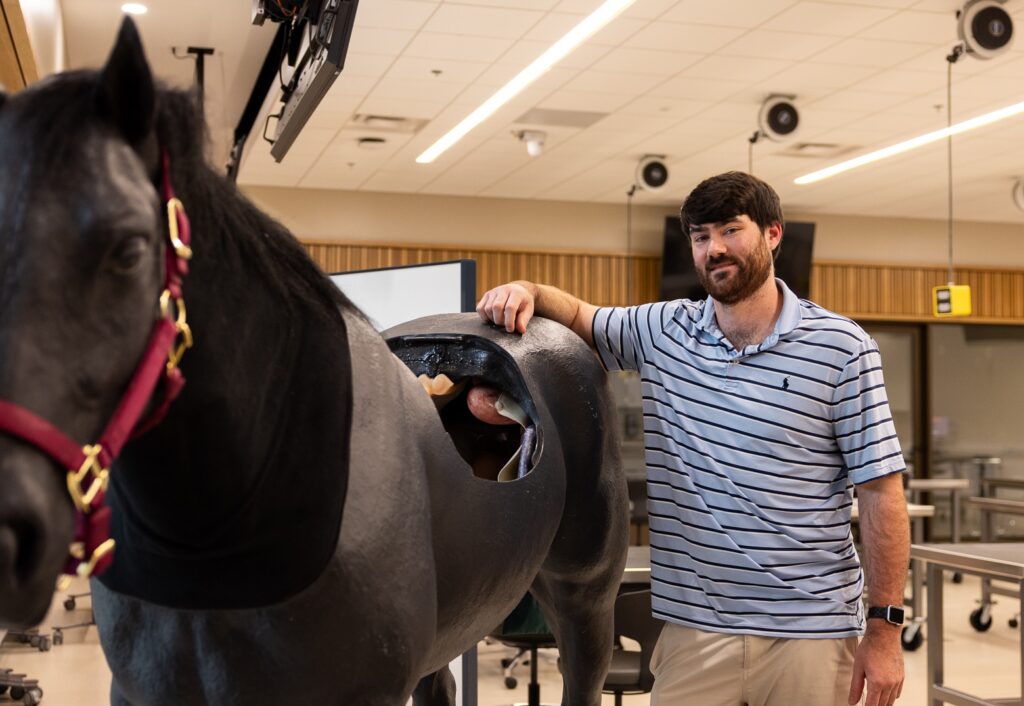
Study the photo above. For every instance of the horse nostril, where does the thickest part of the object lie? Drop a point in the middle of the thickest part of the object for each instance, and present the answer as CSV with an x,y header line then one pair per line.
x,y
19,545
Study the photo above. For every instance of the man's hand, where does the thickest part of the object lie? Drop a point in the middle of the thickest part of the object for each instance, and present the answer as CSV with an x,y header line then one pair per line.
x,y
879,660
510,305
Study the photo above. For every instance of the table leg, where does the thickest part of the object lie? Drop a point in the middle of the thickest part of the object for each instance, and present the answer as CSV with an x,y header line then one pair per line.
x,y
935,656
956,514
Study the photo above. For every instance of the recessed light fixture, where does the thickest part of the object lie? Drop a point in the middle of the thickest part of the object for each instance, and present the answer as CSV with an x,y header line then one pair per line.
x,y
608,11
913,143
134,8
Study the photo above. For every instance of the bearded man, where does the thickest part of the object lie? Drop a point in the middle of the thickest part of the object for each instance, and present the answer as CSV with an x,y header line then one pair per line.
x,y
762,413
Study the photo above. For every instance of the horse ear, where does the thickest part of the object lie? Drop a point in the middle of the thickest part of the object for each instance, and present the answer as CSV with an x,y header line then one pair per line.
x,y
127,95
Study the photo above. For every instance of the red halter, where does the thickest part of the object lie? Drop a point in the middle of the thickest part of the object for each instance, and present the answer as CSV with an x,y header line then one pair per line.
x,y
89,466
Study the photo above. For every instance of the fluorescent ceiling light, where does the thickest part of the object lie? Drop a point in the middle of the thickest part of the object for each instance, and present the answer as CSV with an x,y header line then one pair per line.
x,y
576,36
913,143
134,8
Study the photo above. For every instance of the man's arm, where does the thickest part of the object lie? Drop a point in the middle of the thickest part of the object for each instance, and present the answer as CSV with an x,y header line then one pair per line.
x,y
885,543
512,305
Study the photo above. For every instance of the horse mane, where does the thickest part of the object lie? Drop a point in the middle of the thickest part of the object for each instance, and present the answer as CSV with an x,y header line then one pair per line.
x,y
52,118
218,206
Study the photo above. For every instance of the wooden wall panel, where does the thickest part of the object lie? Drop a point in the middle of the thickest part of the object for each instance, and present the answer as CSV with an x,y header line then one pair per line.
x,y
17,64
863,291
904,293
598,278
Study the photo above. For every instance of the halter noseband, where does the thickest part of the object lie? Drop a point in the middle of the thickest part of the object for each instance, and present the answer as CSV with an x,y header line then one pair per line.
x,y
88,474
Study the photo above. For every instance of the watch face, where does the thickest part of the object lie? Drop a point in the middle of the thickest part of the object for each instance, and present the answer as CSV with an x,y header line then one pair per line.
x,y
895,615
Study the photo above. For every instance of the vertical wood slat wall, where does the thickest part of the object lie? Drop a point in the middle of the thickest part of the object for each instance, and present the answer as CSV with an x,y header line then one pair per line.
x,y
864,291
17,64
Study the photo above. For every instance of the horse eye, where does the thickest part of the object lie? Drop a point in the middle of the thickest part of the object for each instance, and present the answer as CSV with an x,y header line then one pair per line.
x,y
128,254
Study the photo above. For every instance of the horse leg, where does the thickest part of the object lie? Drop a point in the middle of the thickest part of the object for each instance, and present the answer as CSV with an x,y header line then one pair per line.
x,y
582,621
437,689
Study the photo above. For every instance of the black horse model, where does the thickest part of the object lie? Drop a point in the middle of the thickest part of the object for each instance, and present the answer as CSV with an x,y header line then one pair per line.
x,y
305,524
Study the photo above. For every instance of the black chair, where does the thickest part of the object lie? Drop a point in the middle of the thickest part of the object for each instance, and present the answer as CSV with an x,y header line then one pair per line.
x,y
527,631
630,671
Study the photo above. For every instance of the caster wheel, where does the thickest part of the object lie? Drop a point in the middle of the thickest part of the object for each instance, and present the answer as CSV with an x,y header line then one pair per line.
x,y
1013,622
32,697
510,682
958,577
3,689
45,644
980,619
911,638
58,636
506,662
17,693
69,604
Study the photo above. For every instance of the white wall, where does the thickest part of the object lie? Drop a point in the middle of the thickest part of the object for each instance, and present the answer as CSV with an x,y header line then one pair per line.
x,y
45,25
348,216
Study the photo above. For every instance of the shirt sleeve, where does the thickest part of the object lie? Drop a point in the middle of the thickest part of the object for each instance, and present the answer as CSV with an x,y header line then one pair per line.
x,y
862,420
623,334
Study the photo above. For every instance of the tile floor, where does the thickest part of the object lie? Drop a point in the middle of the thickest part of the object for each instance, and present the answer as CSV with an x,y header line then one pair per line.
x,y
985,664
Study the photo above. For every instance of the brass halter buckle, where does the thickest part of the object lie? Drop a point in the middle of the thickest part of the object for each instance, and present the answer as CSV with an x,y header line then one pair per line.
x,y
176,208
180,317
90,469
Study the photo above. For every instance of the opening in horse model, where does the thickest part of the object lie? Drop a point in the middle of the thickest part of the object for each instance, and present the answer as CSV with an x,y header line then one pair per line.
x,y
304,524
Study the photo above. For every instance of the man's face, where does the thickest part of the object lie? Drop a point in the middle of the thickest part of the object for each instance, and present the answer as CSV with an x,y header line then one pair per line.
x,y
734,258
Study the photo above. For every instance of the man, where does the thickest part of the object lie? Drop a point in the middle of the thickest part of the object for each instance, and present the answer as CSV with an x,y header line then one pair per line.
x,y
761,412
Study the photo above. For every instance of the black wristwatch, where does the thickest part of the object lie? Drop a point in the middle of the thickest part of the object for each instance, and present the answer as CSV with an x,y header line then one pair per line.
x,y
890,614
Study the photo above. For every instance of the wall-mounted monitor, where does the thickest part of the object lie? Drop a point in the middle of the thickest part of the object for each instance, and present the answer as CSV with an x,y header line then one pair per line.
x,y
792,266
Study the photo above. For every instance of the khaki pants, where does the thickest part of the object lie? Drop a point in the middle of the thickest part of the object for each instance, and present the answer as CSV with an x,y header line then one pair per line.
x,y
697,668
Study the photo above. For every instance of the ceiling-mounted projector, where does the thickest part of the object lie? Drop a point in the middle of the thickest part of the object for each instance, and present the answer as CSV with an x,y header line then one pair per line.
x,y
778,119
985,28
651,173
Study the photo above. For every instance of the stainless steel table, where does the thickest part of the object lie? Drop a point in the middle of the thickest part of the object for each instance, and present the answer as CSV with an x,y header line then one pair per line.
x,y
1003,561
638,567
954,486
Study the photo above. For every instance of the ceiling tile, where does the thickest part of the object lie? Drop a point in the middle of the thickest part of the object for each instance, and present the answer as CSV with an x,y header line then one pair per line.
x,y
685,87
734,68
809,78
647,61
418,68
878,53
772,44
912,26
909,83
371,40
824,18
393,14
431,45
581,100
627,84
726,13
482,21
674,36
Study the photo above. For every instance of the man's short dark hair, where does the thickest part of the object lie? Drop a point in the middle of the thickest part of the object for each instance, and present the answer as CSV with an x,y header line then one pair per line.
x,y
723,197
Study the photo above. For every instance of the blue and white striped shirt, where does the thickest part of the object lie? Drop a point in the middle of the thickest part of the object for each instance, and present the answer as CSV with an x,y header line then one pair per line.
x,y
750,459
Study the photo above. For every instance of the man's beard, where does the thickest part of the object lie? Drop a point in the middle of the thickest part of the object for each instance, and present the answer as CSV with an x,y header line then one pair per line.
x,y
750,274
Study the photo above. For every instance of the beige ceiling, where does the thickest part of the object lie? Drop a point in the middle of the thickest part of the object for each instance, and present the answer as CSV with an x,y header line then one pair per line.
x,y
679,78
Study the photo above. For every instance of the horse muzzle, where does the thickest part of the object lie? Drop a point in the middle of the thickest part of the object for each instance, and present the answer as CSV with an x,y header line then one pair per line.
x,y
36,525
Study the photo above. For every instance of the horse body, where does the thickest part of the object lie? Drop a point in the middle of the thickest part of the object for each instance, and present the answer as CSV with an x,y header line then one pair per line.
x,y
304,523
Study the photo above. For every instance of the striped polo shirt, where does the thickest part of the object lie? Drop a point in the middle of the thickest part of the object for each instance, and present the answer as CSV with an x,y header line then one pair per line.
x,y
751,459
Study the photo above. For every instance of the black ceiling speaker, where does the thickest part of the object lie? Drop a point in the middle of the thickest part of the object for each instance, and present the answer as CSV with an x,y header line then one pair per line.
x,y
985,28
651,173
778,119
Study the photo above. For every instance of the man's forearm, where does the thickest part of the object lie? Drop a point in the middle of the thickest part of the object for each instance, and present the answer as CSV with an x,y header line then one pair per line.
x,y
885,540
558,305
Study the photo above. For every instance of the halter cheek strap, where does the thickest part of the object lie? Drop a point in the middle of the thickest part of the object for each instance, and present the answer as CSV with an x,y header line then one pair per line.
x,y
88,467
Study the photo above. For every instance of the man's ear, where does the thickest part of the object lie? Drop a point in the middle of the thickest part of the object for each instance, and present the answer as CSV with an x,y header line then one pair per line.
x,y
774,235
126,94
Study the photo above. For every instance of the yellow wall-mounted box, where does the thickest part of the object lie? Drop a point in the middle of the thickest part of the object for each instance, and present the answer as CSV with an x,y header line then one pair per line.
x,y
951,300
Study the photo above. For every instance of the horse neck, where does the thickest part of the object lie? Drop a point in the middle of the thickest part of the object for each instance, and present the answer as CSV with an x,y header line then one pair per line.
x,y
235,500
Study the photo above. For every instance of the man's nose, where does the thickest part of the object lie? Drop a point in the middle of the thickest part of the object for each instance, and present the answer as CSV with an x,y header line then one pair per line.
x,y
716,246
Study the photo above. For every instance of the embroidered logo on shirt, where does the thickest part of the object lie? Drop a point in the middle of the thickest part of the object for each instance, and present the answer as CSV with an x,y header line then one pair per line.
x,y
785,383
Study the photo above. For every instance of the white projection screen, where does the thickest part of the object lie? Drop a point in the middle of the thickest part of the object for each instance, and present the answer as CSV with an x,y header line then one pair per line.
x,y
393,295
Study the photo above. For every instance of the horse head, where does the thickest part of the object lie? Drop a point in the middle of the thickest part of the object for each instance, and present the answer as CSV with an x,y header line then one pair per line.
x,y
81,274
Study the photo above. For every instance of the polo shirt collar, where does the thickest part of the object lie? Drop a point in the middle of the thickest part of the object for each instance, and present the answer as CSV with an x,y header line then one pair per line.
x,y
789,317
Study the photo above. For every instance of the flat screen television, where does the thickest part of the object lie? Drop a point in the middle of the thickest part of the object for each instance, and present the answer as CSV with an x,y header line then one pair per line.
x,y
792,266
